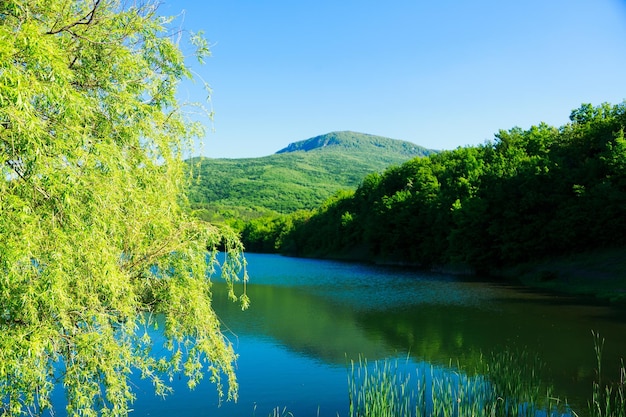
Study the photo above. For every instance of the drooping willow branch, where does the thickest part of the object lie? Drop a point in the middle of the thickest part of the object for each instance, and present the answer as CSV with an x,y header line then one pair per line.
x,y
86,21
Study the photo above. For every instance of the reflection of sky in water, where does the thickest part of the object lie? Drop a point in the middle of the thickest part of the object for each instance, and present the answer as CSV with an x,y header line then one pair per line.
x,y
272,376
269,376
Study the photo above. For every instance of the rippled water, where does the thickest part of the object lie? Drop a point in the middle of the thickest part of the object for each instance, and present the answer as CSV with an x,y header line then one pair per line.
x,y
309,318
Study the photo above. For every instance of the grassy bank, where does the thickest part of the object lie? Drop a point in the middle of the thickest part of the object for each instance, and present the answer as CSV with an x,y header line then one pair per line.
x,y
600,274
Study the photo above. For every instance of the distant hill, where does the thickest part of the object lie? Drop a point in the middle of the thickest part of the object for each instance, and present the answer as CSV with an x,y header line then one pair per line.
x,y
300,176
360,142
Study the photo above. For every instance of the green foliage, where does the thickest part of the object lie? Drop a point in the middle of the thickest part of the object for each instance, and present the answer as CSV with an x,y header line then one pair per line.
x,y
299,177
263,235
94,239
529,194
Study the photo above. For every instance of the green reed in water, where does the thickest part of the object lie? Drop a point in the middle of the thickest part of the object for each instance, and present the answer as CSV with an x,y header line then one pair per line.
x,y
608,400
386,389
504,384
380,391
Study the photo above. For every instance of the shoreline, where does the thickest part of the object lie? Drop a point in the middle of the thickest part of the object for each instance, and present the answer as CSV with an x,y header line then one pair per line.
x,y
598,274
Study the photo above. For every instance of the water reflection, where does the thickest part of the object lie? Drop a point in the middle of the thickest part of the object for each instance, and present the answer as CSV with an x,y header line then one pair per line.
x,y
330,311
308,319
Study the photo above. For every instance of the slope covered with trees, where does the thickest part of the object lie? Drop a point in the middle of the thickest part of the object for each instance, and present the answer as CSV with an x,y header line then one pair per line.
x,y
301,176
528,194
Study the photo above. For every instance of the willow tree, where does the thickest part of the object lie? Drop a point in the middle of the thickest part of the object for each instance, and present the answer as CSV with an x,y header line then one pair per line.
x,y
95,243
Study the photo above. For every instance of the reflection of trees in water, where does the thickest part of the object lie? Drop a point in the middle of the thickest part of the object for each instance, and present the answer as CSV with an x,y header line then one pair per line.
x,y
305,321
559,335
301,321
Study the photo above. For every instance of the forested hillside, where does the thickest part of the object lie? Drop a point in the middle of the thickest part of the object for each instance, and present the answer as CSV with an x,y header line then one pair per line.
x,y
527,194
301,176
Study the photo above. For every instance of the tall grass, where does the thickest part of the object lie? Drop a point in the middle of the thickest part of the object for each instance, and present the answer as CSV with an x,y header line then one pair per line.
x,y
501,386
504,384
608,400
380,390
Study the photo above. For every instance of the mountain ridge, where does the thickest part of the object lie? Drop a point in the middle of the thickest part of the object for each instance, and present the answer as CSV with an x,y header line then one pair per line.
x,y
350,139
300,176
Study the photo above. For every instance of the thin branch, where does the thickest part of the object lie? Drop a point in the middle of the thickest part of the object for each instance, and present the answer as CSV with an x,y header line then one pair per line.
x,y
15,166
86,20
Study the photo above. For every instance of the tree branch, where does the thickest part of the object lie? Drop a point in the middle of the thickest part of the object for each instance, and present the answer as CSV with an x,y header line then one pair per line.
x,y
86,20
15,166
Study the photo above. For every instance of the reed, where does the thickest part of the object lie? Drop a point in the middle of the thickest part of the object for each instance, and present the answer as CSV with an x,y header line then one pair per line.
x,y
276,412
608,400
501,386
506,383
380,390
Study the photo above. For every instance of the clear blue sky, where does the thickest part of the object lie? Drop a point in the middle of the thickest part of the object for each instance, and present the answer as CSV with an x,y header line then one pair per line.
x,y
441,74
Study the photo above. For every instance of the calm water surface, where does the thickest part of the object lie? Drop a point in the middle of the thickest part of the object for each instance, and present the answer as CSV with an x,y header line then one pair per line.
x,y
309,318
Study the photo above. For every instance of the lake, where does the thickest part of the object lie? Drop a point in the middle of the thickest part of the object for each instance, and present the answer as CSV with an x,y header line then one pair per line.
x,y
309,318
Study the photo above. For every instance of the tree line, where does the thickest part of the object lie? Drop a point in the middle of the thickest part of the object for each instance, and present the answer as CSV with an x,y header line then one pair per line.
x,y
525,195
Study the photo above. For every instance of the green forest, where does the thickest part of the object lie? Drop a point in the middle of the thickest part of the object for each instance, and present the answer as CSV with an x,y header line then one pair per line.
x,y
526,194
299,177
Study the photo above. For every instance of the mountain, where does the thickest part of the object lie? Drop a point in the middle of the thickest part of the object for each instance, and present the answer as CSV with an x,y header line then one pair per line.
x,y
301,176
353,141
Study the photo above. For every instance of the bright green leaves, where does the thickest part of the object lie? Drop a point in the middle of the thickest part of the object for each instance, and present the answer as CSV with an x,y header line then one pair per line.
x,y
94,239
24,362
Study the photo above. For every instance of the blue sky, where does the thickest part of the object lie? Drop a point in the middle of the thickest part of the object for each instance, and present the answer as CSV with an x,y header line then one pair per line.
x,y
441,74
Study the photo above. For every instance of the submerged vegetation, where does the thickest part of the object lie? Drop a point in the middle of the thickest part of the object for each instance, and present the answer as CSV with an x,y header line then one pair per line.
x,y
503,383
608,400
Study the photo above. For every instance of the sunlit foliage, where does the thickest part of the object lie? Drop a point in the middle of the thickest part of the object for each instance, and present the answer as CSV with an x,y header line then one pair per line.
x,y
95,245
299,177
